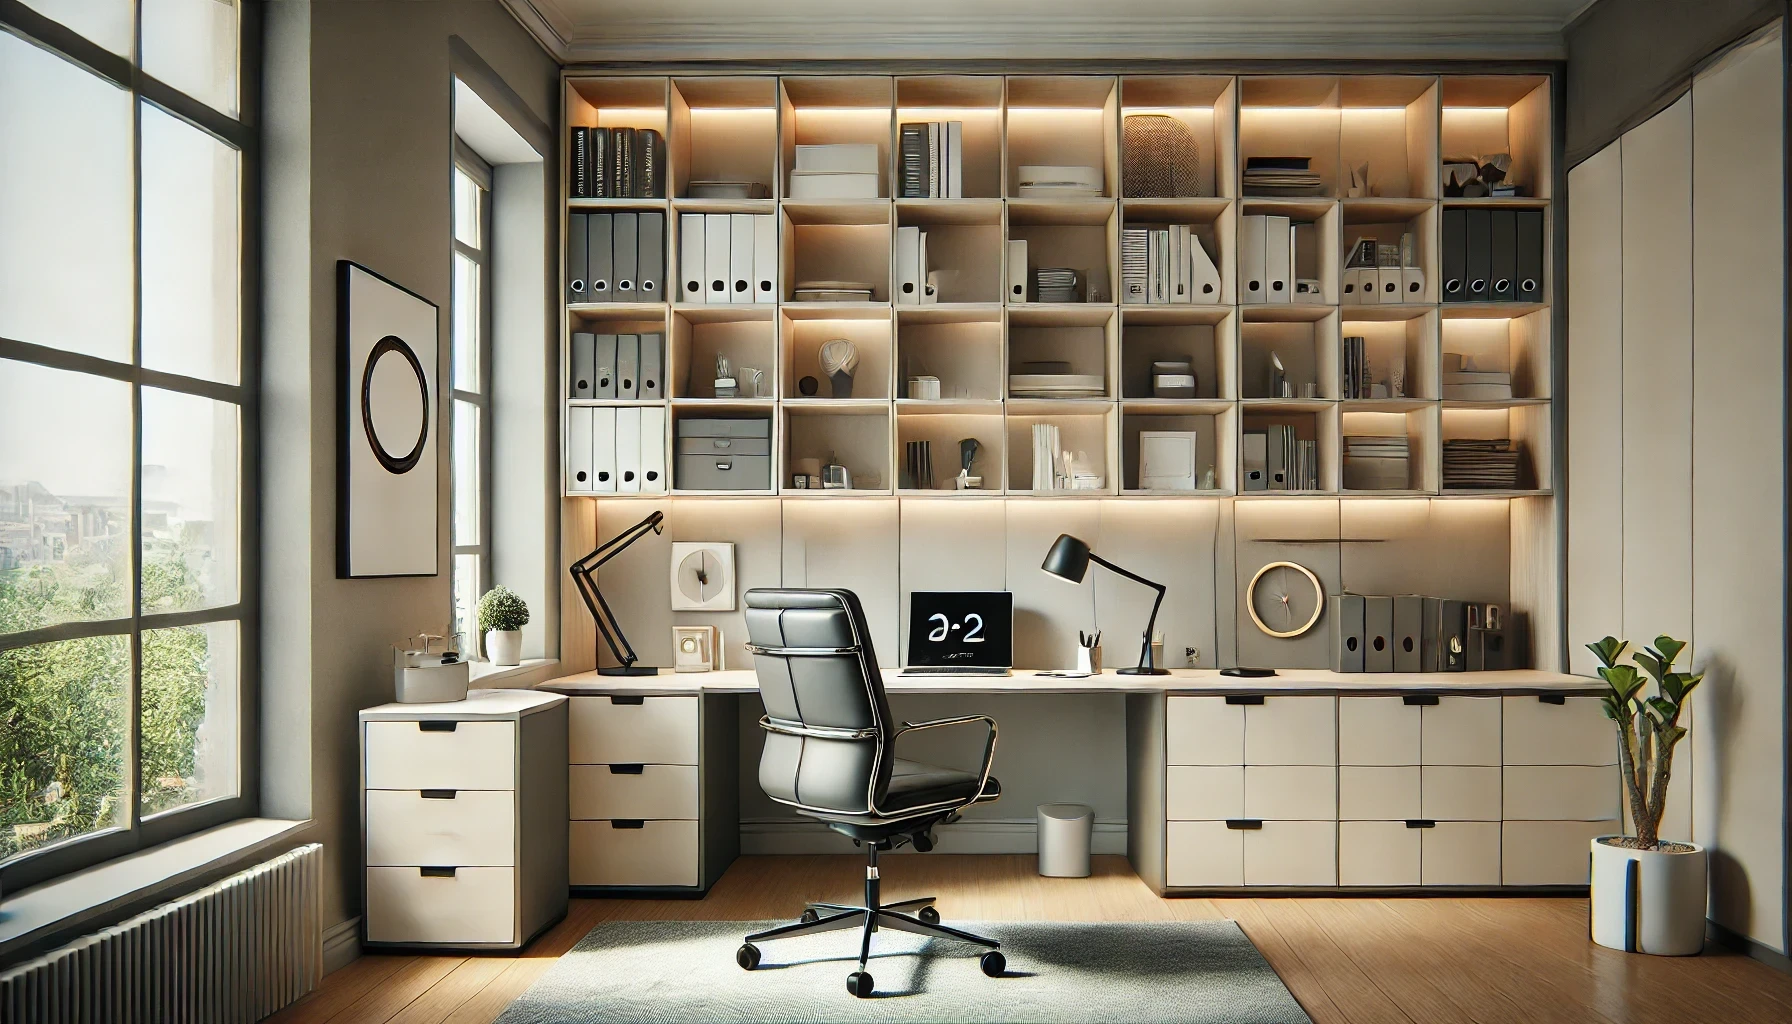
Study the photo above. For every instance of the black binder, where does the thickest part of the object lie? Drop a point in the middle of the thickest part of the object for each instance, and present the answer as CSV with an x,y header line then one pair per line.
x,y
575,259
1455,266
1477,237
580,169
650,266
603,143
1502,274
1530,256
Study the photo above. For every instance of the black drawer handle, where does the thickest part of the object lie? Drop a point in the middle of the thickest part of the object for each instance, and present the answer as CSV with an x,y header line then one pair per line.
x,y
1244,698
1420,823
436,872
628,700
1244,824
1558,699
438,794
628,823
1419,700
437,726
627,769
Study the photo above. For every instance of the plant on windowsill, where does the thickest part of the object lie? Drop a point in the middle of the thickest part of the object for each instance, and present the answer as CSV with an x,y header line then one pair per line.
x,y
502,616
1648,895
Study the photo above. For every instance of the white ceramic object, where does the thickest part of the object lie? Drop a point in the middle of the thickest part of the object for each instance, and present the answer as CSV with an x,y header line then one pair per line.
x,y
504,647
1662,911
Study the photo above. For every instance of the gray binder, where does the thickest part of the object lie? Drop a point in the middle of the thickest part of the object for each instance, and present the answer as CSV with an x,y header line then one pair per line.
x,y
597,246
583,365
628,365
624,254
1409,631
1452,636
1430,656
1347,653
575,258
653,366
1256,459
603,362
1378,634
650,267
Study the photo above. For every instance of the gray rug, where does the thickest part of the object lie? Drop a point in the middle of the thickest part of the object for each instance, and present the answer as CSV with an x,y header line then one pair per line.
x,y
1195,972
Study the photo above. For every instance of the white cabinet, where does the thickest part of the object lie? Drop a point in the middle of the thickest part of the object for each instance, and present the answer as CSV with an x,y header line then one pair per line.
x,y
1299,792
1203,731
466,827
1549,852
1291,730
652,853
1377,731
1378,853
440,753
604,791
1562,792
1459,793
1575,731
1378,794
451,906
1462,730
1203,853
1460,853
1204,792
637,730
1291,853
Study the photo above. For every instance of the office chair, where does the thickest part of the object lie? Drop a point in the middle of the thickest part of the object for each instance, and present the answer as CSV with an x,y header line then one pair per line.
x,y
830,753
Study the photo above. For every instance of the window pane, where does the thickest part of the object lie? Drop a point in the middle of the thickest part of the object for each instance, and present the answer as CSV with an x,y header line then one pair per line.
x,y
466,209
106,22
65,204
65,497
189,715
190,501
466,602
191,45
191,254
466,324
64,741
466,473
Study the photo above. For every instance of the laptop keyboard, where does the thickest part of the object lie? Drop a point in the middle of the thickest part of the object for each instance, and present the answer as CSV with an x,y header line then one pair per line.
x,y
953,670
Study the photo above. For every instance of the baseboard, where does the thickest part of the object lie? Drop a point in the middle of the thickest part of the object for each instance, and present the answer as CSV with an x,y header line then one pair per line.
x,y
791,836
342,944
1717,934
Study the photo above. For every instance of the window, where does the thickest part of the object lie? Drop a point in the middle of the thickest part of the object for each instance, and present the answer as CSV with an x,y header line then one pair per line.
x,y
470,349
126,430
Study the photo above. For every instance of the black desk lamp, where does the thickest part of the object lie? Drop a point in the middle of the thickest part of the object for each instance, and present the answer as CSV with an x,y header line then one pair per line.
x,y
584,577
1069,559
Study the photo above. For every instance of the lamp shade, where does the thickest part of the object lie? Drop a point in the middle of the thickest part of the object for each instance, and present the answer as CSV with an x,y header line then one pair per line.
x,y
1068,559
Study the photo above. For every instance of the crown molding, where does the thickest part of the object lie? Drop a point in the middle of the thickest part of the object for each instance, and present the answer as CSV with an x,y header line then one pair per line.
x,y
973,36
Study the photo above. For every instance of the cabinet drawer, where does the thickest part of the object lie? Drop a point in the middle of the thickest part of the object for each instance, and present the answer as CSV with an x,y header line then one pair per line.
x,y
1561,793
1203,853
1378,853
1378,794
656,853
469,905
646,791
1460,793
1300,793
1461,853
467,828
1292,853
659,730
1377,731
472,755
1575,731
1549,852
1462,730
1292,730
1203,730
1204,793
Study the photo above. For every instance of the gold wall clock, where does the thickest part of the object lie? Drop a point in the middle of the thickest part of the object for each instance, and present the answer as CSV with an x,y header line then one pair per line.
x,y
1284,599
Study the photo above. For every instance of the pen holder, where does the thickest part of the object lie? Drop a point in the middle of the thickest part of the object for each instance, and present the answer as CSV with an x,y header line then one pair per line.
x,y
1088,659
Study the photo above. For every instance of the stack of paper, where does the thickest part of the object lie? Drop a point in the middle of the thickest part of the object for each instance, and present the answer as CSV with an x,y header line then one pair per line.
x,y
1480,464
842,171
1047,447
1376,463
1056,385
1477,386
1280,176
1057,284
1048,182
1292,464
932,164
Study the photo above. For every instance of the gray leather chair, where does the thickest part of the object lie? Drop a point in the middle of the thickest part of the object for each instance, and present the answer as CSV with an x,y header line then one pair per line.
x,y
830,753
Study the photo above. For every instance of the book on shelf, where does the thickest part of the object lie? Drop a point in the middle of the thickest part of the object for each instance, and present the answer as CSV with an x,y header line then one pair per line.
x,y
616,163
1293,464
1480,464
1166,263
932,166
1477,386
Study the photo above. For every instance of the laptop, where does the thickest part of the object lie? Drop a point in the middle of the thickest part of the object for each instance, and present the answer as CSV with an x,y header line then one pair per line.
x,y
967,633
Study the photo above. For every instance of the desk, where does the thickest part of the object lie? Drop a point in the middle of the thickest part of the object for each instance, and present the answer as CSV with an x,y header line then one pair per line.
x,y
1306,780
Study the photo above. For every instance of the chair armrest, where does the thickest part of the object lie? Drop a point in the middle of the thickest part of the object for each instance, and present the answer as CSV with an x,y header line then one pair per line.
x,y
989,749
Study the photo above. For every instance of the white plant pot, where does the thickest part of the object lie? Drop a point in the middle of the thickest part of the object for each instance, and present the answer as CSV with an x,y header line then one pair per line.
x,y
504,646
1648,901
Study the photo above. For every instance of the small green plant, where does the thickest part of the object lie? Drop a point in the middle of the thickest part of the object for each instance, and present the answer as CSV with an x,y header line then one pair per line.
x,y
502,610
1648,724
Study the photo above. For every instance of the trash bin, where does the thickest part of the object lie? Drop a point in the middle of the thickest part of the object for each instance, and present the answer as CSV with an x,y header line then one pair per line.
x,y
1064,831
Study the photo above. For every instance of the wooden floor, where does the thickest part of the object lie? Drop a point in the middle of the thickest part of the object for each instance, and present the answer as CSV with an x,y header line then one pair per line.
x,y
1353,961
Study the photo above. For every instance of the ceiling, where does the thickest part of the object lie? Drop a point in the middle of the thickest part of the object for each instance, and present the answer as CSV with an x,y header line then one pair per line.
x,y
680,30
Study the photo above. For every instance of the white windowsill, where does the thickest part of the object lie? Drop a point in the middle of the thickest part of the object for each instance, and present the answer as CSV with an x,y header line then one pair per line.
x,y
487,676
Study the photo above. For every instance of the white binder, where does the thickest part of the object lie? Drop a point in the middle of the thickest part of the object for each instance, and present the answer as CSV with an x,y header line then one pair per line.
x,y
628,451
740,258
715,257
1180,236
1389,279
765,259
690,258
653,450
1278,259
908,266
578,449
1204,276
603,449
954,183
1352,285
1017,270
1412,284
1250,258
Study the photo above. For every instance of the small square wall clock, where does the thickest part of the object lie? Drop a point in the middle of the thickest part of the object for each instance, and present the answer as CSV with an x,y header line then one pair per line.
x,y
702,576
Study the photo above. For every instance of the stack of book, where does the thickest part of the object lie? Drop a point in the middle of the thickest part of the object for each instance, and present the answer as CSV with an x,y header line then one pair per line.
x,y
1463,381
1057,284
1048,474
931,162
1374,462
1480,464
1166,264
617,163
842,171
1280,176
1051,182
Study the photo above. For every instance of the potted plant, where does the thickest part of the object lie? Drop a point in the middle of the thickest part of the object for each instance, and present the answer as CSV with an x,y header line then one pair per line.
x,y
1648,895
502,616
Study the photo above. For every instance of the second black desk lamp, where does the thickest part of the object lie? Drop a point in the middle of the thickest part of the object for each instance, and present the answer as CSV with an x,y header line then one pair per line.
x,y
584,576
1069,559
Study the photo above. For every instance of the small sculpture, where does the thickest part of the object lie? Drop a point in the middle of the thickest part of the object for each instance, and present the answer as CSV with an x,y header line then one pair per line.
x,y
839,358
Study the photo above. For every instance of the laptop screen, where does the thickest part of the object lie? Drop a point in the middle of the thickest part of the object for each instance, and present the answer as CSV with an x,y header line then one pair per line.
x,y
961,628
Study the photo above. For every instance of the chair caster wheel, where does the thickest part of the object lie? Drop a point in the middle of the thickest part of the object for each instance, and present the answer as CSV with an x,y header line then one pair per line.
x,y
928,915
747,956
859,984
809,916
993,963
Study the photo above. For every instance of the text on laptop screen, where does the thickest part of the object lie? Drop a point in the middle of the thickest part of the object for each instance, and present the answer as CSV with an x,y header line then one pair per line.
x,y
961,628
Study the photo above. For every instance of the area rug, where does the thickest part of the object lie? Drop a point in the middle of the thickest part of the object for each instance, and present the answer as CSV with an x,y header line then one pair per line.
x,y
1193,972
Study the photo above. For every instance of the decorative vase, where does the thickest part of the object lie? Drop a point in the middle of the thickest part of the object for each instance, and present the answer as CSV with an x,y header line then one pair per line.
x,y
504,647
1648,901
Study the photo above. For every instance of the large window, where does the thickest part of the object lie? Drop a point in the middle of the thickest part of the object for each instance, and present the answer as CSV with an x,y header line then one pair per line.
x,y
470,343
126,429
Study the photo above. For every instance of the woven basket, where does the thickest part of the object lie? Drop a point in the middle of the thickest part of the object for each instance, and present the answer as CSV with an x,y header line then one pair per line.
x,y
1162,159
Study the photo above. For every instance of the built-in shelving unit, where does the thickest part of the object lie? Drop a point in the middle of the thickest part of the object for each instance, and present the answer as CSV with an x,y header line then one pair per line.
x,y
746,128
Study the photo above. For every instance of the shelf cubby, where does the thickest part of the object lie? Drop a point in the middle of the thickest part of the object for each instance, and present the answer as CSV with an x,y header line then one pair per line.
x,y
746,336
1215,444
723,129
1396,337
963,348
975,100
804,330
1063,120
1486,114
687,409
1525,424
1517,344
1204,104
1205,336
1084,427
857,434
964,246
1312,421
1291,115
1318,245
1081,234
826,110
1388,221
1086,337
1417,422
618,102
1213,224
1308,348
1389,123
944,425
836,240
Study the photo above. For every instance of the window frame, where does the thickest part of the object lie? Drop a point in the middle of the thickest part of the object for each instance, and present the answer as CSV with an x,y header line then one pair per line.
x,y
471,164
239,133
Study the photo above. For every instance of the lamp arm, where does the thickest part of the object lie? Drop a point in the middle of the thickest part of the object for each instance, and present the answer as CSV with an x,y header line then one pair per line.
x,y
1145,659
584,577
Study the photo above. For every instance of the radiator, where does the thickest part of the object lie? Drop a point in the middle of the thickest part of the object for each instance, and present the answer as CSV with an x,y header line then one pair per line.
x,y
234,951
